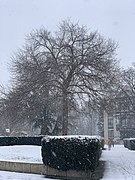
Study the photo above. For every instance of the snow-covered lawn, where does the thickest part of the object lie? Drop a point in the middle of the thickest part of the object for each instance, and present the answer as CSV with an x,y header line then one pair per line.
x,y
120,162
4,175
31,154
28,154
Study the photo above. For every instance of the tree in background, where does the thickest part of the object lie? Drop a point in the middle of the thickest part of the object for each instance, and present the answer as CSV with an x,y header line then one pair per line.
x,y
120,103
127,87
125,103
64,68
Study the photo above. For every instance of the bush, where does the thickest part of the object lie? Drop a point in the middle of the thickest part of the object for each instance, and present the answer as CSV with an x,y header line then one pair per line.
x,y
125,141
129,143
8,141
102,142
71,152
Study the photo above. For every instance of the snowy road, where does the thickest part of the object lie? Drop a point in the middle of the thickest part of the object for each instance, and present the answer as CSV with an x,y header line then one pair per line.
x,y
120,163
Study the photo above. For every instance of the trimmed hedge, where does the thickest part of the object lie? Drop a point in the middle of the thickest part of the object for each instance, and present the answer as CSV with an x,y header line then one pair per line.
x,y
102,141
129,143
24,140
71,152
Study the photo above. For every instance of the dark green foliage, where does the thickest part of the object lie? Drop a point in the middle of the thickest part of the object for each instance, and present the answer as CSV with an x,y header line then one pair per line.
x,y
125,141
102,143
8,141
71,153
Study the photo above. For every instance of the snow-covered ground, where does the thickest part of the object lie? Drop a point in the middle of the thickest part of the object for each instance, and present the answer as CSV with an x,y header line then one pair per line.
x,y
4,175
27,154
120,162
31,154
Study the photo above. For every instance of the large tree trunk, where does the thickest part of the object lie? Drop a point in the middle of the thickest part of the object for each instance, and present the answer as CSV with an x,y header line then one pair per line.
x,y
65,115
44,129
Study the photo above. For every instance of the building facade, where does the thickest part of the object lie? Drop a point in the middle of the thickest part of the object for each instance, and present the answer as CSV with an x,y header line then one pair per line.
x,y
119,122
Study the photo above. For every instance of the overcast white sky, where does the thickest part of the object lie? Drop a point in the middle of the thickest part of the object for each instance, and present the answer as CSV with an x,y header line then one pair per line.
x,y
112,18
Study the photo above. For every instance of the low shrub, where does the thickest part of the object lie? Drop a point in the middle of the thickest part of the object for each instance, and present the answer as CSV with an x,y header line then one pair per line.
x,y
129,143
71,152
102,142
125,142
26,140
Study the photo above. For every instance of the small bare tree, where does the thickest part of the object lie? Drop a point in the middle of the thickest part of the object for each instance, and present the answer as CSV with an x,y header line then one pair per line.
x,y
72,63
127,88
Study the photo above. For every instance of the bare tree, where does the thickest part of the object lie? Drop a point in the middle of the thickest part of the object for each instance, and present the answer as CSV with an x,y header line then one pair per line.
x,y
72,63
127,88
19,106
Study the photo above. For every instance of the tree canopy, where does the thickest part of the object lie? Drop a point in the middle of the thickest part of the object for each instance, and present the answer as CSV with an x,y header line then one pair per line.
x,y
64,68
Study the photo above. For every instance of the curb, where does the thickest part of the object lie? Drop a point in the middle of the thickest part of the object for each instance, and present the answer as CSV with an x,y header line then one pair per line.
x,y
23,167
41,169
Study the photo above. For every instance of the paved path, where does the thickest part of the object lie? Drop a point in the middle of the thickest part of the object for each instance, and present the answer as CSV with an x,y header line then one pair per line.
x,y
119,163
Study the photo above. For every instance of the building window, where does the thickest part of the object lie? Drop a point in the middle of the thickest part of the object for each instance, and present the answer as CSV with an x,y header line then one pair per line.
x,y
111,133
117,118
110,120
